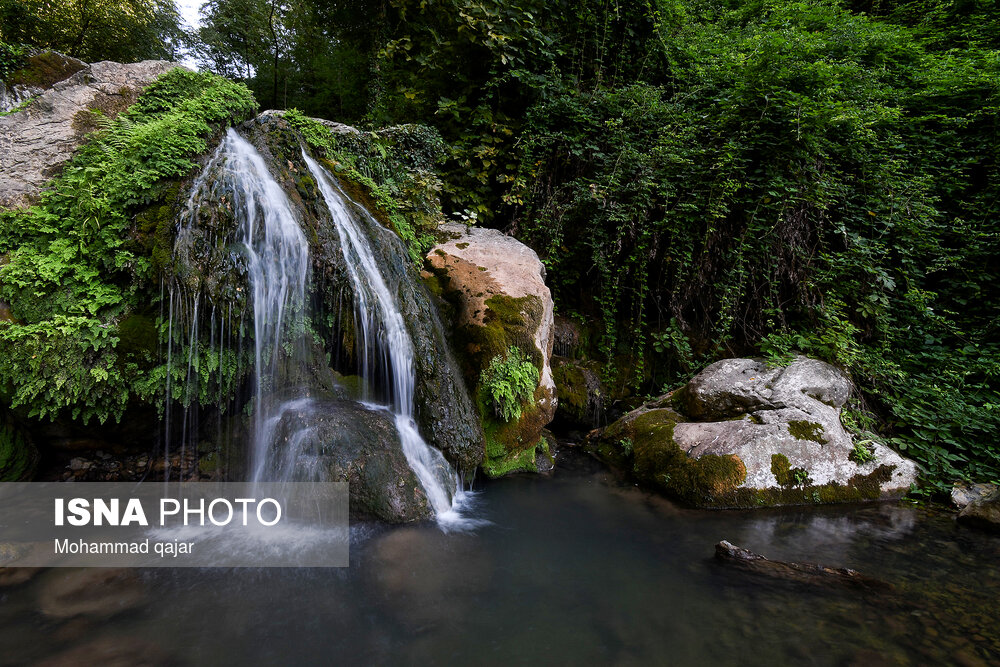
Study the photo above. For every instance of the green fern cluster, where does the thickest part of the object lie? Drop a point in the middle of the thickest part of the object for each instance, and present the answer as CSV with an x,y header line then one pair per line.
x,y
509,381
79,263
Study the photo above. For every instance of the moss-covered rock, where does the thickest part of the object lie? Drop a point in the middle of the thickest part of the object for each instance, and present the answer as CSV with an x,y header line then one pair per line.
x,y
493,289
18,455
443,407
580,391
776,440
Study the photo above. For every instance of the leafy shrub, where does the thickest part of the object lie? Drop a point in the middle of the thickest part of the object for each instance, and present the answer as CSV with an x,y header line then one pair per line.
x,y
862,453
801,178
509,382
12,58
77,264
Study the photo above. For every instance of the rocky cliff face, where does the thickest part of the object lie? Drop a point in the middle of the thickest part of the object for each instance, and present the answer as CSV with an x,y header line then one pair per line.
x,y
36,141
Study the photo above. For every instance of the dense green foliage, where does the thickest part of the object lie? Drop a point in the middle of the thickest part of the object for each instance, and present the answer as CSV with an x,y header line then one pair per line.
x,y
12,58
78,268
92,30
703,178
706,178
809,180
509,382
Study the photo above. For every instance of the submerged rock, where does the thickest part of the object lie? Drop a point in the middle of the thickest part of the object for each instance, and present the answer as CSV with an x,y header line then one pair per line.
x,y
741,434
92,592
112,651
983,513
35,142
802,573
495,290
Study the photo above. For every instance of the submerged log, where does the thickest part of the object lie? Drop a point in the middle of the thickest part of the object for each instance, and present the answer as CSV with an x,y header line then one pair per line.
x,y
804,573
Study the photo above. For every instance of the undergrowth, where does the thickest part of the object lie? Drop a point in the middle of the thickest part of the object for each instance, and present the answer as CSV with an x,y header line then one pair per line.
x,y
76,264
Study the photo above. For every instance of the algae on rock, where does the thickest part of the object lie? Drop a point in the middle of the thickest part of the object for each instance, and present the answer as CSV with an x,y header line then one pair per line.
x,y
775,439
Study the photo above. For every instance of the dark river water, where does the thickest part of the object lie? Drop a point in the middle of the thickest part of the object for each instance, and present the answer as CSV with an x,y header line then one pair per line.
x,y
573,569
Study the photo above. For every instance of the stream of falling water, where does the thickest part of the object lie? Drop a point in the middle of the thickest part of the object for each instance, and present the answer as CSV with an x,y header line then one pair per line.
x,y
385,343
276,253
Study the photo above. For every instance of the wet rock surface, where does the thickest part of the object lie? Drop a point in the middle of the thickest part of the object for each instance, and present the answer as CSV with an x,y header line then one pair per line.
x,y
18,454
962,494
348,442
581,393
443,409
36,141
742,434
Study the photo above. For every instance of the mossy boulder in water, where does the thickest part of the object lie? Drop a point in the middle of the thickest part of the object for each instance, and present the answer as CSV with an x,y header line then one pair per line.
x,y
493,288
344,441
18,455
770,436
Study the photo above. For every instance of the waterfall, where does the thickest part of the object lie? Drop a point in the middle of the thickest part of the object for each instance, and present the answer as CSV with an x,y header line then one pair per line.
x,y
385,343
264,242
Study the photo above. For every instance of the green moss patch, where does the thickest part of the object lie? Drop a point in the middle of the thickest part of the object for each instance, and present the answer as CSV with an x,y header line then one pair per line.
x,y
786,474
806,430
658,461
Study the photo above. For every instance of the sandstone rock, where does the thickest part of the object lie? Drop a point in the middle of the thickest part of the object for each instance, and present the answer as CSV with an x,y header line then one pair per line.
x,y
36,142
41,71
768,436
495,287
983,513
963,494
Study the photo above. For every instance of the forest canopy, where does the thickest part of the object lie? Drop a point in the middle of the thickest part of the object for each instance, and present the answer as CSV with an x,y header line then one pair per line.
x,y
702,178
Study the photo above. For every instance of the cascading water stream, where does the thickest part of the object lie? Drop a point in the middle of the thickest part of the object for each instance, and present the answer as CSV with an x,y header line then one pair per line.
x,y
275,254
385,343
278,265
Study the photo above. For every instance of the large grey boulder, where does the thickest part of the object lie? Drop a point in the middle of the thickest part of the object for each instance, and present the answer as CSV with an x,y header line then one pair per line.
x,y
37,141
41,71
742,434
